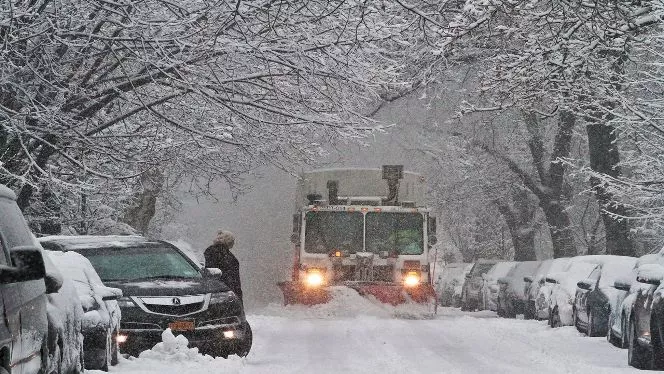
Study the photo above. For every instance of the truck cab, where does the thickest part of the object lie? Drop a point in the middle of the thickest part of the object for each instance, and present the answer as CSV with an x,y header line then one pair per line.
x,y
371,232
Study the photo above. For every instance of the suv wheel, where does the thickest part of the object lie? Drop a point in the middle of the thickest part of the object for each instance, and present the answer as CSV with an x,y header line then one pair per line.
x,y
246,343
637,356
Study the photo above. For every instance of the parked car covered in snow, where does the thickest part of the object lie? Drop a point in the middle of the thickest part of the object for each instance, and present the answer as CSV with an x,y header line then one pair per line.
x,y
645,326
65,316
563,288
490,288
450,283
543,291
511,293
101,313
163,288
626,288
532,284
23,302
596,295
472,286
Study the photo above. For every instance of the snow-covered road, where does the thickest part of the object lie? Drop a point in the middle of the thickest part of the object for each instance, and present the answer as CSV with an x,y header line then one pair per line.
x,y
335,340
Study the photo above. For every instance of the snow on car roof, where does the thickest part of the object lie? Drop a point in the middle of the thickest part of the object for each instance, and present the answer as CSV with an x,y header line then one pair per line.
x,y
90,241
616,268
500,269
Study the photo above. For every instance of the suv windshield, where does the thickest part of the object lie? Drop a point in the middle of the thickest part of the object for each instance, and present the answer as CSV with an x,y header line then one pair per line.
x,y
402,232
134,263
330,231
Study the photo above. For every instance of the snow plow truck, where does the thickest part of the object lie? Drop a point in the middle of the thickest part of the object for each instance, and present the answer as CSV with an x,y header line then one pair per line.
x,y
365,229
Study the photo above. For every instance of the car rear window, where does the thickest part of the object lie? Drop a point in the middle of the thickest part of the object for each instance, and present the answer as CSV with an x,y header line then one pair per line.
x,y
139,263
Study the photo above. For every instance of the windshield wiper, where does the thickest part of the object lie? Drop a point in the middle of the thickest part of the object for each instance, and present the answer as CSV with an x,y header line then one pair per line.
x,y
157,277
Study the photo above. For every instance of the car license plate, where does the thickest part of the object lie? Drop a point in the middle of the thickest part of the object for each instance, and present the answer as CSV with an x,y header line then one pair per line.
x,y
181,325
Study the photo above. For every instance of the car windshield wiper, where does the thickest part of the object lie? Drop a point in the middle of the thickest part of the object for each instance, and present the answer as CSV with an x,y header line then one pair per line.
x,y
158,277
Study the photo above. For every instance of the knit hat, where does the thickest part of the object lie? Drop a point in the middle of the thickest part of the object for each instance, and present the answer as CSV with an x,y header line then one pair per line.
x,y
225,238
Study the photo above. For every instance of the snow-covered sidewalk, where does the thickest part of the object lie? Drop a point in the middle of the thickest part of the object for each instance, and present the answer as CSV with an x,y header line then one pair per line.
x,y
328,340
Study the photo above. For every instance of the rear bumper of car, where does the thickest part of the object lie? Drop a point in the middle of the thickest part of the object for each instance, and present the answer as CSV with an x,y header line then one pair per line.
x,y
208,339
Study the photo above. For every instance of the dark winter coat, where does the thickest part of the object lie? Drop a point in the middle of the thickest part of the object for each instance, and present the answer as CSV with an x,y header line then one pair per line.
x,y
218,256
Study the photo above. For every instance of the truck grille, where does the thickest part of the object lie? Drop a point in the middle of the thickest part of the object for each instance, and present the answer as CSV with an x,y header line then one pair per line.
x,y
175,310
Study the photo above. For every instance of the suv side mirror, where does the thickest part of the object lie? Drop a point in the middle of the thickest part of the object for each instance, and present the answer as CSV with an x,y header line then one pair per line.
x,y
653,281
622,286
28,265
584,285
110,293
528,279
52,282
468,276
211,272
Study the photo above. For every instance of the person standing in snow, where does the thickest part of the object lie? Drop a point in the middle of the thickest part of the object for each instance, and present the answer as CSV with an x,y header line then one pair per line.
x,y
219,255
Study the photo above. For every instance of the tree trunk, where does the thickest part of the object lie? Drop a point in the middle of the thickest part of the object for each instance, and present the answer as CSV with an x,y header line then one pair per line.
x,y
560,227
520,219
143,209
524,244
604,158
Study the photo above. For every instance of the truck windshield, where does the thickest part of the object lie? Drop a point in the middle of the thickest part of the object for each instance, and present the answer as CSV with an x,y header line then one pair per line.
x,y
331,231
402,232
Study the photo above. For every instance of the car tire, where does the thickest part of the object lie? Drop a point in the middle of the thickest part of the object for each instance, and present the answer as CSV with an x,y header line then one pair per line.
x,y
575,320
115,350
246,343
624,342
527,312
591,329
108,357
610,336
56,368
555,319
656,343
637,356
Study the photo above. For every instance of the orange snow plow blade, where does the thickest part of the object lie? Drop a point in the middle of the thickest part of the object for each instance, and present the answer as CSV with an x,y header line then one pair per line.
x,y
394,294
296,293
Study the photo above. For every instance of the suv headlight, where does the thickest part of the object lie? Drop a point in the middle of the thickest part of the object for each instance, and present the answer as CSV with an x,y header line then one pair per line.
x,y
222,297
126,302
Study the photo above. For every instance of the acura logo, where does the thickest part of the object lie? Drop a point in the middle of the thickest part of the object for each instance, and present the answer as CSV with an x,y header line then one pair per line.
x,y
176,301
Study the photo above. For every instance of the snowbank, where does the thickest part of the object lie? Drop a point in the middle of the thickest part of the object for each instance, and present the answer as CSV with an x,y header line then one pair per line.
x,y
347,303
174,348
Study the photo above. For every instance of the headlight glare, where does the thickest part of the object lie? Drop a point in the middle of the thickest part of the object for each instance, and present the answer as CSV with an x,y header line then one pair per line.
x,y
314,278
411,279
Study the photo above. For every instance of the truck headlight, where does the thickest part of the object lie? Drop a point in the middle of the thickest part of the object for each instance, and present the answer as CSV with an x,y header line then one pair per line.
x,y
221,297
126,302
411,279
314,278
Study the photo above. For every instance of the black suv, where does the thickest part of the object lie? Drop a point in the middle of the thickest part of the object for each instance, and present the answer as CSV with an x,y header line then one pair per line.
x,y
23,347
163,288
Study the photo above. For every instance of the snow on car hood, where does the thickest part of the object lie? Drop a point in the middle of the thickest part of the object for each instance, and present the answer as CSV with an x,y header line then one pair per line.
x,y
169,287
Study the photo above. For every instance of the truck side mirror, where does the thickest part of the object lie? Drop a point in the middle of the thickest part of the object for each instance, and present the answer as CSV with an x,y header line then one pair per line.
x,y
431,230
295,236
